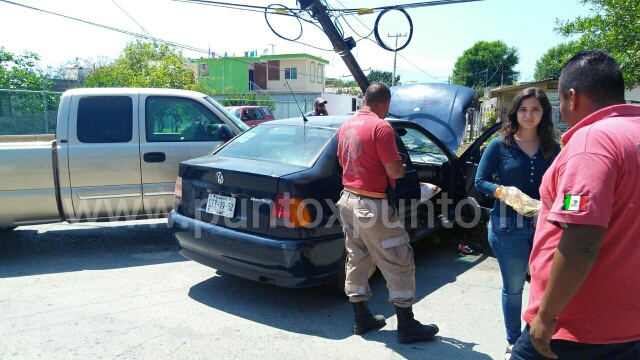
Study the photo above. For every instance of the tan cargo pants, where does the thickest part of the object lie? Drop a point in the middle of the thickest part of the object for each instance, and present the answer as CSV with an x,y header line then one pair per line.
x,y
374,236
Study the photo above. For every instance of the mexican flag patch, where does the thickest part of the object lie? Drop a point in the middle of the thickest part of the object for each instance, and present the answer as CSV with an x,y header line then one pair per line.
x,y
575,202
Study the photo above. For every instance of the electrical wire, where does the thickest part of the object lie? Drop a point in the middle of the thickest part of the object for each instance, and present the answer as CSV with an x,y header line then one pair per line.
x,y
424,72
282,7
137,35
377,34
134,20
349,25
408,6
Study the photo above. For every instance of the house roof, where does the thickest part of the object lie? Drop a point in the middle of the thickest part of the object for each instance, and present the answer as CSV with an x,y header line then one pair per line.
x,y
264,58
516,88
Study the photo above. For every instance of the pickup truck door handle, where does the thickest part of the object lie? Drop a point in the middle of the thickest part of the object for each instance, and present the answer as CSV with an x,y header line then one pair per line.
x,y
154,157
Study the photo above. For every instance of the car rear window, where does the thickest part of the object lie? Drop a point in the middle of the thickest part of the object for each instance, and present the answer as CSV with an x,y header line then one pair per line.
x,y
266,110
288,144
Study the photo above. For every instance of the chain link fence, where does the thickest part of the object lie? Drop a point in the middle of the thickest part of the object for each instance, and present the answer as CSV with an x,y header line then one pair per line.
x,y
477,122
26,112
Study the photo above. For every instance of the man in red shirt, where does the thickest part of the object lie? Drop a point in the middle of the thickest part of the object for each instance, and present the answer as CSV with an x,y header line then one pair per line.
x,y
584,298
370,161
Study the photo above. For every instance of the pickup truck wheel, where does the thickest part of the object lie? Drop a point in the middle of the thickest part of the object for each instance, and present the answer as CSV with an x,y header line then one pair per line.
x,y
7,229
337,286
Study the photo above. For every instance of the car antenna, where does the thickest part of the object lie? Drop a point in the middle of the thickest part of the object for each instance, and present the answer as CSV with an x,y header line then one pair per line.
x,y
294,98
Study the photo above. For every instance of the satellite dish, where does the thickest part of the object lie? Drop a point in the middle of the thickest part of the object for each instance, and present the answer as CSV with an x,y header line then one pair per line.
x,y
265,51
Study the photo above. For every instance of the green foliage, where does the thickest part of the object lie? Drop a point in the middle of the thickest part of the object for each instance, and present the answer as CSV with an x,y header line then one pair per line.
x,y
614,27
491,118
484,64
384,77
342,87
21,72
249,99
147,64
549,65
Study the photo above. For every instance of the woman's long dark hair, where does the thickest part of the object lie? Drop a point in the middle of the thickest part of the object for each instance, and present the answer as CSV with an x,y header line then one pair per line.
x,y
545,131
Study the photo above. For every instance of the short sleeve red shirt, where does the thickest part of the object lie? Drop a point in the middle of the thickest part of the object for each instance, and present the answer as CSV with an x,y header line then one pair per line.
x,y
365,144
594,181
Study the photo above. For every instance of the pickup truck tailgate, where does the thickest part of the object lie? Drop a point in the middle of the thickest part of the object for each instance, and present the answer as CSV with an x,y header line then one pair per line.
x,y
27,189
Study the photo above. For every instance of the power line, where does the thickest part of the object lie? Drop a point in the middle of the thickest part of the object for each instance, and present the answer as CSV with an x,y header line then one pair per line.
x,y
414,65
141,27
148,37
407,6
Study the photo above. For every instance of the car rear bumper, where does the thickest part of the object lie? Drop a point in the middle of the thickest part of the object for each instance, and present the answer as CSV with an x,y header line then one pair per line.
x,y
283,262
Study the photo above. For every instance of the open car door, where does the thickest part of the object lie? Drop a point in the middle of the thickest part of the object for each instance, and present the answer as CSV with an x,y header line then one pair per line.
x,y
468,163
429,160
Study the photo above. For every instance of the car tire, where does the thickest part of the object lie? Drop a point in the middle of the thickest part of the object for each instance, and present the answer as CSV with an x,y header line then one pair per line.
x,y
337,286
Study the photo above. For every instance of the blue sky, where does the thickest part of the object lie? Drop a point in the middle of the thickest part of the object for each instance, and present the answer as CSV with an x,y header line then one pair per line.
x,y
441,33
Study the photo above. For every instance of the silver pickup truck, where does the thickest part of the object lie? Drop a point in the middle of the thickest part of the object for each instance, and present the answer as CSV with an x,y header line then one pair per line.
x,y
114,156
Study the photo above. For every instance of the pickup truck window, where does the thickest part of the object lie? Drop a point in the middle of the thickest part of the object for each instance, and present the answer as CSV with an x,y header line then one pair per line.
x,y
105,119
177,119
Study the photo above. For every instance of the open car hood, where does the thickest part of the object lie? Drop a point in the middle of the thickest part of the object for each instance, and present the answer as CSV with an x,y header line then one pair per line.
x,y
439,108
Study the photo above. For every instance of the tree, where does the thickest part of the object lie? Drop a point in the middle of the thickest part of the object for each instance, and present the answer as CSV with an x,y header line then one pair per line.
x,y
342,87
486,64
549,65
614,28
147,64
249,99
21,72
384,77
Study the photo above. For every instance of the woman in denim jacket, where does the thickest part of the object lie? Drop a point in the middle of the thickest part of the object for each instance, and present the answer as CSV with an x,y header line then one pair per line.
x,y
519,157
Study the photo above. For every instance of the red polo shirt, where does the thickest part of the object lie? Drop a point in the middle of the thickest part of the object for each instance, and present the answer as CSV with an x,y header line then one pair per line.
x,y
594,181
365,144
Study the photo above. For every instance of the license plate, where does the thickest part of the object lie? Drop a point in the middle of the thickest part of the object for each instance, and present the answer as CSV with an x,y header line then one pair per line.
x,y
221,205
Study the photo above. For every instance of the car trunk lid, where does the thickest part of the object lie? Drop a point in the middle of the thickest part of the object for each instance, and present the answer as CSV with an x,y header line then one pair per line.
x,y
217,191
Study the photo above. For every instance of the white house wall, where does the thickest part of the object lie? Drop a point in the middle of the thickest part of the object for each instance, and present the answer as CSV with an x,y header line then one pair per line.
x,y
302,83
339,104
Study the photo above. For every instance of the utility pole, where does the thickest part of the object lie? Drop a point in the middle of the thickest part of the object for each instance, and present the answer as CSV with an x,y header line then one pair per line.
x,y
341,46
501,73
395,54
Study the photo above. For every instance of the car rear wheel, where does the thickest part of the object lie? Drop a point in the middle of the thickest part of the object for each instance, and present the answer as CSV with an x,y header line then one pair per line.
x,y
337,286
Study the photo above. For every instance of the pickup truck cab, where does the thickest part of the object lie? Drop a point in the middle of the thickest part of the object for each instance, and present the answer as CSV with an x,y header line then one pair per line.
x,y
114,156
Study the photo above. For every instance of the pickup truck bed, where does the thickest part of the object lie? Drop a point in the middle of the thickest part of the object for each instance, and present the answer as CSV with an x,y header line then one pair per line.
x,y
115,155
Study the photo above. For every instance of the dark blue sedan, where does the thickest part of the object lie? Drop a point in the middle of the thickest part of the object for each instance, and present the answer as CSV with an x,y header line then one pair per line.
x,y
262,206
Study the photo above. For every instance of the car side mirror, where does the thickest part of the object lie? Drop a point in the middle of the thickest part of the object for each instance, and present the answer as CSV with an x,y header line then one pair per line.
x,y
221,132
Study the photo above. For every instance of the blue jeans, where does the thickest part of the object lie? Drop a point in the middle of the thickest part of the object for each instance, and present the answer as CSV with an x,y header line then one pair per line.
x,y
524,350
511,240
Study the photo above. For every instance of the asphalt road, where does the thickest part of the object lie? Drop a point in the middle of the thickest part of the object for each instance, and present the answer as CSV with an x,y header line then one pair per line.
x,y
121,291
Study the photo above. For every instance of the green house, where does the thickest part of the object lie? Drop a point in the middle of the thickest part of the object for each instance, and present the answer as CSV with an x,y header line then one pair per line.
x,y
304,73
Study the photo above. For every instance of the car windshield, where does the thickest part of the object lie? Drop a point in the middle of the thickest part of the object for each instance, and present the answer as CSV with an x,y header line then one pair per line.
x,y
287,144
420,148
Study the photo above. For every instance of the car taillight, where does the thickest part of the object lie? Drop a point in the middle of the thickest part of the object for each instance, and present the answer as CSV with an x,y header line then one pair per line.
x,y
177,193
289,211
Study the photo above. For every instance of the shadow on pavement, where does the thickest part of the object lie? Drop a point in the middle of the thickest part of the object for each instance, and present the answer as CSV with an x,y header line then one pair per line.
x,y
88,246
317,312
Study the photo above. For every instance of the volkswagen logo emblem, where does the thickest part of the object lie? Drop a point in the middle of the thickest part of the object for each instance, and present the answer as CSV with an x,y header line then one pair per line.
x,y
220,177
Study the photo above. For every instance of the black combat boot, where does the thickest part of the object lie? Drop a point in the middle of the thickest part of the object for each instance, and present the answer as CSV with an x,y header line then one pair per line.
x,y
410,329
364,320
